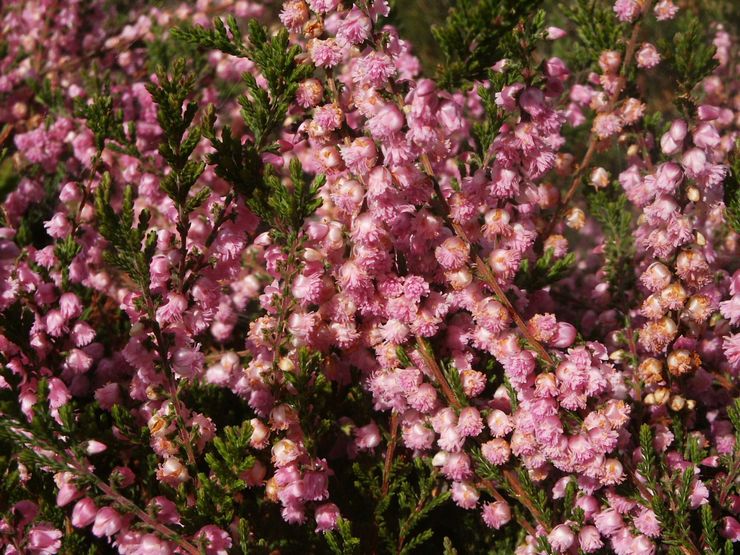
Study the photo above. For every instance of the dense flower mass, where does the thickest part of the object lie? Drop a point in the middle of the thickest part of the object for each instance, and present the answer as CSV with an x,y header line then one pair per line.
x,y
270,284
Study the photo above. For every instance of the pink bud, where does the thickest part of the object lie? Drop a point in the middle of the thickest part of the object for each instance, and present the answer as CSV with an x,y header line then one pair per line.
x,y
107,522
555,33
495,515
83,513
565,335
589,539
326,517
707,112
44,539
94,447
561,538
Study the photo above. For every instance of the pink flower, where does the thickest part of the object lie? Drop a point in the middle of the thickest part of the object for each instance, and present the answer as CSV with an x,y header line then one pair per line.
x,y
356,27
496,451
323,6
217,541
373,70
294,14
647,56
367,437
730,529
627,10
561,538
44,539
107,522
607,125
608,522
641,545
187,363
495,515
465,495
58,393
84,512
555,33
665,9
647,523
309,93
325,53
58,227
326,516
731,348
360,156
589,539
385,122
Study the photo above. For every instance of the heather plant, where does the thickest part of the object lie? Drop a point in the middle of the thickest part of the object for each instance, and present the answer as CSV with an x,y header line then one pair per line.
x,y
324,276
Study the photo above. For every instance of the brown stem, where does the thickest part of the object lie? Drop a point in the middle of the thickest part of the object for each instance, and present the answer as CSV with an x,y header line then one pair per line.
x,y
81,470
163,351
389,453
523,498
484,270
490,280
428,355
147,519
511,479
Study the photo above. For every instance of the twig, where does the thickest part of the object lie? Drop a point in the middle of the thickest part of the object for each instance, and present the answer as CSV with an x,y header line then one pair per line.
x,y
428,355
484,269
389,453
593,140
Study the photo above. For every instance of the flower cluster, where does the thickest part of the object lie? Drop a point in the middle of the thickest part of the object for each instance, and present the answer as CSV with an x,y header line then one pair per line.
x,y
269,286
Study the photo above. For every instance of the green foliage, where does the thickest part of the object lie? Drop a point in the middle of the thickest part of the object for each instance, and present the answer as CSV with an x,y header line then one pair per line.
x,y
545,271
484,468
102,119
126,239
263,111
164,50
230,460
175,116
448,547
485,131
612,211
648,466
709,529
690,54
452,375
473,35
278,63
342,542
398,512
31,230
596,28
15,324
732,191
284,208
224,37
9,178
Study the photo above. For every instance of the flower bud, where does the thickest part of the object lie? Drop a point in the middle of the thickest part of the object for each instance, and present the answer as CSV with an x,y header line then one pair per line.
x,y
495,515
173,471
107,522
677,403
561,538
575,218
600,178
650,371
284,452
83,513
682,361
260,434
